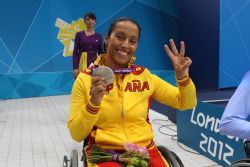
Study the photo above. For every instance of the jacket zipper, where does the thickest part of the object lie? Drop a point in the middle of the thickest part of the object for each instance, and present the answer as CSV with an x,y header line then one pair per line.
x,y
120,87
123,120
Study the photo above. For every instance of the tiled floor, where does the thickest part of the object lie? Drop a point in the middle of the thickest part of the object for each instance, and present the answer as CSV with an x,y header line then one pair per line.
x,y
33,133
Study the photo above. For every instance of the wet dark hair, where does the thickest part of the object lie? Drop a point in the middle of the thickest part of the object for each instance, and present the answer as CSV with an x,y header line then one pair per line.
x,y
90,15
120,19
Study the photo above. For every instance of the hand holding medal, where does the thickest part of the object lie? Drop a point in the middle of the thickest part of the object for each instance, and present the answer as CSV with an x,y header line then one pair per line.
x,y
101,77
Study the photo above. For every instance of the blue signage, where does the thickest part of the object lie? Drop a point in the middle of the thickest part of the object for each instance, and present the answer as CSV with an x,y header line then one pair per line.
x,y
199,130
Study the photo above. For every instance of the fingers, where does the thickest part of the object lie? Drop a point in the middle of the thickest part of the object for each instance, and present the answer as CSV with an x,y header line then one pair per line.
x,y
169,53
98,84
174,49
174,52
187,62
96,79
180,63
97,89
182,50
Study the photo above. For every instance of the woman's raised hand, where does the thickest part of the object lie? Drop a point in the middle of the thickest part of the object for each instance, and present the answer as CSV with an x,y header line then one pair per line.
x,y
180,62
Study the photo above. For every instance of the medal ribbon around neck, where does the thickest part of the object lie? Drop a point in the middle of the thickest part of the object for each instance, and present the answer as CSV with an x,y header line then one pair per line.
x,y
123,70
120,70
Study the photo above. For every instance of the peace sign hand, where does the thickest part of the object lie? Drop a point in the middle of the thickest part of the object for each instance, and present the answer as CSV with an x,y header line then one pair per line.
x,y
180,62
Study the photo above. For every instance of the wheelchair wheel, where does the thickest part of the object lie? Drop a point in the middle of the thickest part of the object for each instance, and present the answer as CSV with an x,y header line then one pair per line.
x,y
66,161
177,159
171,158
74,158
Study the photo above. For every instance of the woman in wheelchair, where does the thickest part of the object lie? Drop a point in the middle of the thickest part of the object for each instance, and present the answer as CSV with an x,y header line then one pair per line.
x,y
114,112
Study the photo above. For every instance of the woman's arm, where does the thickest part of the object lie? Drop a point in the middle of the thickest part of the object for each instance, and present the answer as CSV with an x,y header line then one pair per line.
x,y
83,114
233,121
182,97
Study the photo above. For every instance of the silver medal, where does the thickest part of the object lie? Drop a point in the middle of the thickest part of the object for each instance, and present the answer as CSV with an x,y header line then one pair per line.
x,y
106,73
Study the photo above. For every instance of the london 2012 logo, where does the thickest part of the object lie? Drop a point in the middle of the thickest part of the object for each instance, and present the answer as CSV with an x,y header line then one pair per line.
x,y
66,34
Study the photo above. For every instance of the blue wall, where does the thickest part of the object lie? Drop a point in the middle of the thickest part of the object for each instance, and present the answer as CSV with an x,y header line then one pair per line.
x,y
29,47
216,41
199,28
234,42
217,35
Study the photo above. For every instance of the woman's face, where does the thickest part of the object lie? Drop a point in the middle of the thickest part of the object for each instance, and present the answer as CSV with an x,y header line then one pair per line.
x,y
90,23
121,44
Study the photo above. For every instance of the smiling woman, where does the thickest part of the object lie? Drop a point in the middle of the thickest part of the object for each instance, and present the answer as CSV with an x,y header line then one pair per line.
x,y
112,115
121,44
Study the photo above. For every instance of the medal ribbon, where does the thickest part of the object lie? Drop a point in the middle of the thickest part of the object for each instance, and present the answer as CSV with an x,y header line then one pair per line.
x,y
120,70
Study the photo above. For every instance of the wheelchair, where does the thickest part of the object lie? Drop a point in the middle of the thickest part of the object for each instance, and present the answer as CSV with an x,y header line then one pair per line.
x,y
72,160
243,162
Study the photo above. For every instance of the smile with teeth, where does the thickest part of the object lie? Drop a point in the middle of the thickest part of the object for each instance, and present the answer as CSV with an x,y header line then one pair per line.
x,y
122,53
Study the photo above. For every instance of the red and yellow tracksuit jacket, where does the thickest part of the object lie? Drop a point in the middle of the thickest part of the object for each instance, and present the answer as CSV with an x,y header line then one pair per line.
x,y
122,116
